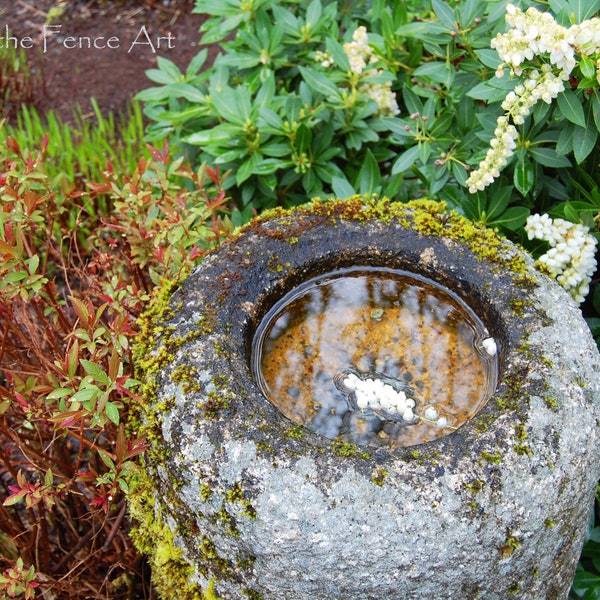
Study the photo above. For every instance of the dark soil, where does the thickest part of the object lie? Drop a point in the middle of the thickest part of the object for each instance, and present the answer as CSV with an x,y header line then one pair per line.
x,y
97,48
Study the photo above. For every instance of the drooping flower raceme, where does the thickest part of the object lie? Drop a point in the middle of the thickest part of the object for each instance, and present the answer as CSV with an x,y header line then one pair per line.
x,y
360,56
501,148
571,257
534,34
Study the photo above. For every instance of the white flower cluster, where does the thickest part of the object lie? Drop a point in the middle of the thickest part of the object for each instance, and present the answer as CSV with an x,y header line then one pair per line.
x,y
324,59
517,105
539,86
572,254
358,50
533,33
374,394
383,96
501,149
360,55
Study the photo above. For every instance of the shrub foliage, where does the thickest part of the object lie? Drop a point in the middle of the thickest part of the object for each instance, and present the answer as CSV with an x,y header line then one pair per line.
x,y
76,270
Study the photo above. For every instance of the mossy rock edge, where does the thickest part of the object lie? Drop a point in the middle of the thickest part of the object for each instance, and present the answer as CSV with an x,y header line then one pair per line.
x,y
254,511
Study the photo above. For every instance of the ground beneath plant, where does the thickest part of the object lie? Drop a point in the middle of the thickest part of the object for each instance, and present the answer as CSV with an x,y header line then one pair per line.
x,y
97,48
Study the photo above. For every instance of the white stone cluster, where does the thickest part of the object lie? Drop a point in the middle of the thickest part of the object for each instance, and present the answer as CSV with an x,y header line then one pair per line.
x,y
360,56
374,394
572,254
432,416
533,34
489,345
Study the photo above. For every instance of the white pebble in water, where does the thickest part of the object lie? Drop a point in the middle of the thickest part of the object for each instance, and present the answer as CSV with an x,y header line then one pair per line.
x,y
489,345
431,413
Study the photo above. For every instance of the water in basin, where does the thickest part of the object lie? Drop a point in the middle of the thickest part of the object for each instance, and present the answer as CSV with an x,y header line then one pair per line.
x,y
375,357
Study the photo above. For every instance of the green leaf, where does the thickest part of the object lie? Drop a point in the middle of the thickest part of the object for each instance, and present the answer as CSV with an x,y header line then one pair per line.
x,y
159,76
59,393
187,91
303,138
341,187
14,277
169,68
154,94
86,394
369,176
584,580
246,169
106,459
524,176
571,108
579,10
268,166
512,218
196,64
313,12
445,14
497,204
584,138
584,141
437,71
319,83
339,56
586,64
412,101
548,157
489,58
491,91
406,160
433,32
595,104
112,412
564,144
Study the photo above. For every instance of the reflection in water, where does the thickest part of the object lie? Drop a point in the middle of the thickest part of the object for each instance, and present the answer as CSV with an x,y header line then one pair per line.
x,y
392,323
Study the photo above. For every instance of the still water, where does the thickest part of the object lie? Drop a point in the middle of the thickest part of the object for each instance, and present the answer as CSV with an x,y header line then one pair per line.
x,y
403,331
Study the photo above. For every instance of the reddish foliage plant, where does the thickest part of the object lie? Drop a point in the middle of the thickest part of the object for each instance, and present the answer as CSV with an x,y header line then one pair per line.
x,y
76,270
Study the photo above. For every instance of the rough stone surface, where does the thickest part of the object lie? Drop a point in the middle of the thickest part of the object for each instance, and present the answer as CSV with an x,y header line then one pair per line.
x,y
497,509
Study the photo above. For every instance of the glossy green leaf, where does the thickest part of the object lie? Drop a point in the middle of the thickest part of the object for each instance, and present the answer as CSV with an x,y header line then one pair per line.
x,y
342,187
369,177
571,108
112,412
319,83
96,371
584,138
548,157
406,160
524,176
512,218
445,14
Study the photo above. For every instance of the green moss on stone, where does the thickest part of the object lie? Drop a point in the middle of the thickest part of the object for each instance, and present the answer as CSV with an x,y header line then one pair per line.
x,y
152,537
511,544
494,458
348,450
379,476
522,450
